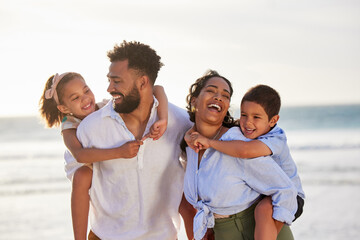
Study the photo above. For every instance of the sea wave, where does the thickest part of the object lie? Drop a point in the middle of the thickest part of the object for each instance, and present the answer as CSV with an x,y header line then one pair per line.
x,y
25,186
324,147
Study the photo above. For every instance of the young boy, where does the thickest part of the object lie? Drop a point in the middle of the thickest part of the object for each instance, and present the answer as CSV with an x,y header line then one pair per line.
x,y
260,108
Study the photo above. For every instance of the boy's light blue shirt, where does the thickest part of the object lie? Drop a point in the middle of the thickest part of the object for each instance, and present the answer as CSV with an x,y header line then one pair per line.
x,y
227,185
277,142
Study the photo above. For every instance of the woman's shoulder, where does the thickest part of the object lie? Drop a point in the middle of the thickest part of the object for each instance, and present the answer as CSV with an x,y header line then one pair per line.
x,y
233,133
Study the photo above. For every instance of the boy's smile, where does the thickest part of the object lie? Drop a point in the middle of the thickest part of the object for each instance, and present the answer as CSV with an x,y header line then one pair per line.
x,y
254,121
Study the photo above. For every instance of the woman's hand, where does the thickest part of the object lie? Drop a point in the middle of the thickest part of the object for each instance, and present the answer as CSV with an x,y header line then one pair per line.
x,y
209,235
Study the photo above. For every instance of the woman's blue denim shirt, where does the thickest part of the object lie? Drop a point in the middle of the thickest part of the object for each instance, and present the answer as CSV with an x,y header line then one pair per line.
x,y
227,185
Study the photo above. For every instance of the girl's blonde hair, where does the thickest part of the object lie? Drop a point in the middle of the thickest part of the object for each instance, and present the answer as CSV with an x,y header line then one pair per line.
x,y
48,107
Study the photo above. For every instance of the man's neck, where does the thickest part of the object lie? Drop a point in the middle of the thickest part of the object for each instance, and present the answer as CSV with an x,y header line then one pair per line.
x,y
137,120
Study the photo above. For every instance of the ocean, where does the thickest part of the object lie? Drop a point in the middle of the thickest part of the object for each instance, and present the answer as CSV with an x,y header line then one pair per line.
x,y
324,142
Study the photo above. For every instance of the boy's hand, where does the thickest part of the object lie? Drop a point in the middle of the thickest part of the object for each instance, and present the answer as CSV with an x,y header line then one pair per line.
x,y
200,141
192,139
189,140
157,130
131,148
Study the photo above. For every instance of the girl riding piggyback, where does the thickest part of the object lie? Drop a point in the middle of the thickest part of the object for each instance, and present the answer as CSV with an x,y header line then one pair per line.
x,y
65,102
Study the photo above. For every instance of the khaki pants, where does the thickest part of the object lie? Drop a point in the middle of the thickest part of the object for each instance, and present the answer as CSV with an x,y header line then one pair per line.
x,y
241,226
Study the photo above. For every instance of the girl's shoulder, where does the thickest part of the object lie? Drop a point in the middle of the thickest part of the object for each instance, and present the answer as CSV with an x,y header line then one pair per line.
x,y
70,122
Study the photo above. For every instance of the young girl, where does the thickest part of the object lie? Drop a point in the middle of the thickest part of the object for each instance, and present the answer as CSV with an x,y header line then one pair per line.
x,y
260,108
67,100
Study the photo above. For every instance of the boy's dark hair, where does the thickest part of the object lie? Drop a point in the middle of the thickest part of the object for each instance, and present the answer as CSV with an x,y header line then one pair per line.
x,y
266,96
140,57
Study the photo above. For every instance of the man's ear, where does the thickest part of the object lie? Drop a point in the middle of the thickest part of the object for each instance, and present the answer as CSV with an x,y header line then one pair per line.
x,y
144,82
63,109
274,120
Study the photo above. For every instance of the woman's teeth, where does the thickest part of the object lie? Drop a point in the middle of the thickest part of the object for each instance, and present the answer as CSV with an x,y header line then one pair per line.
x,y
215,106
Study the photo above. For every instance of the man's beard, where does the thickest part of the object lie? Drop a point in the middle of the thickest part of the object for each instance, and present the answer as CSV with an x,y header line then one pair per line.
x,y
129,103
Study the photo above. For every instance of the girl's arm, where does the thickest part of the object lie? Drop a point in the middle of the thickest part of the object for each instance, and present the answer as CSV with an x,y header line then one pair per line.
x,y
90,155
159,127
235,148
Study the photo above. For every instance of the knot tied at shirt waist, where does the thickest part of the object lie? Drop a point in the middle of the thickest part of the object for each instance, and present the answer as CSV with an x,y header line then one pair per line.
x,y
203,220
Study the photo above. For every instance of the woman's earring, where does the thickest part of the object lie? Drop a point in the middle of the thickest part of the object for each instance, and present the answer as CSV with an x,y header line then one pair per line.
x,y
192,109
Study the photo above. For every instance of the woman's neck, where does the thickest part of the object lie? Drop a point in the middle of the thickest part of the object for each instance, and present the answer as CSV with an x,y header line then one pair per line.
x,y
209,131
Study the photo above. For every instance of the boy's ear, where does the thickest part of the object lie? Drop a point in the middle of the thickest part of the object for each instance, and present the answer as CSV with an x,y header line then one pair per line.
x,y
274,120
63,109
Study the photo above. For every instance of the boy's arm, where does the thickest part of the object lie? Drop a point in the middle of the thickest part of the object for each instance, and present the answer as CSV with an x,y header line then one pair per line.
x,y
159,127
241,149
90,155
234,148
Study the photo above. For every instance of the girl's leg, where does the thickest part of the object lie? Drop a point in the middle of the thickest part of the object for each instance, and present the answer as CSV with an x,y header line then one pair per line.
x,y
265,226
80,201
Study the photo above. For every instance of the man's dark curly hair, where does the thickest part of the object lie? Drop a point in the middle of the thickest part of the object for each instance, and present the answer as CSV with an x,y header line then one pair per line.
x,y
195,90
140,57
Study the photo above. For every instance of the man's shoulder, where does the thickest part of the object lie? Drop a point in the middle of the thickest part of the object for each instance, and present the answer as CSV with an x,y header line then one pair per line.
x,y
177,111
92,119
178,117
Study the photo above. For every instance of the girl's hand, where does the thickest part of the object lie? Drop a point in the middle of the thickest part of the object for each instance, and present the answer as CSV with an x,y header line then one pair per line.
x,y
130,149
157,130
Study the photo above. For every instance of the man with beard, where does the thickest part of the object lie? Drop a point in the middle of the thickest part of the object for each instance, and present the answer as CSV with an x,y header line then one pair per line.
x,y
140,197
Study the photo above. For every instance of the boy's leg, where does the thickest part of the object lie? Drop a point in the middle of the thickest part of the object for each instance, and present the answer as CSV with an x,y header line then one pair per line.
x,y
265,226
80,201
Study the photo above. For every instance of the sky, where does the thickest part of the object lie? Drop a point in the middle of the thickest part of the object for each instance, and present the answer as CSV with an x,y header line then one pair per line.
x,y
308,50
